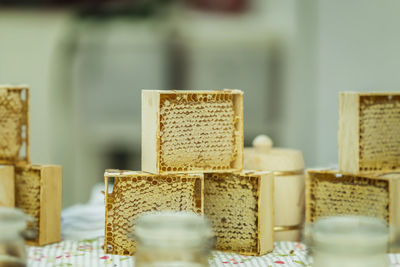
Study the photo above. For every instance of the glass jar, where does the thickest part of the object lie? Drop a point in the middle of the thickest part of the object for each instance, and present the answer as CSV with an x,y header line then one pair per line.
x,y
349,241
172,239
12,244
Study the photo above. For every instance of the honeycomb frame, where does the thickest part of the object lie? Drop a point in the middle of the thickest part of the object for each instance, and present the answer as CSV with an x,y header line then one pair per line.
x,y
14,117
159,193
369,132
253,234
357,188
7,186
183,131
38,192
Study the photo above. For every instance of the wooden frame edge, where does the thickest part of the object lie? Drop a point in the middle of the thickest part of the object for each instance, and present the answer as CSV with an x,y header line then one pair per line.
x,y
50,204
348,132
266,204
150,130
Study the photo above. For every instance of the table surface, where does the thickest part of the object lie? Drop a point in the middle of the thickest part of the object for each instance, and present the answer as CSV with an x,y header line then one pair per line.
x,y
89,253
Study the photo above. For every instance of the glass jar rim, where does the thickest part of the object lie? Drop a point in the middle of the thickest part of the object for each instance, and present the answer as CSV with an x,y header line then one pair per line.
x,y
13,218
172,229
350,234
13,223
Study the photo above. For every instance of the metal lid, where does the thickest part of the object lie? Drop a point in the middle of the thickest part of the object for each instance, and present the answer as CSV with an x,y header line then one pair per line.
x,y
12,222
173,229
350,234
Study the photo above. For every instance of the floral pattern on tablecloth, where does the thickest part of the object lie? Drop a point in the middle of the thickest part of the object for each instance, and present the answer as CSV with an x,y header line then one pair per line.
x,y
90,253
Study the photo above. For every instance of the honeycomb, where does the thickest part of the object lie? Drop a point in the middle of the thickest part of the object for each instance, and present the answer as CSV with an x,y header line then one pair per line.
x,y
134,193
198,131
231,204
379,132
27,195
13,121
330,194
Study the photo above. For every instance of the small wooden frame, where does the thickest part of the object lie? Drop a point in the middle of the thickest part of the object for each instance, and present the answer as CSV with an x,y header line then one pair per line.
x,y
369,132
331,193
14,124
134,193
7,198
38,192
192,131
240,207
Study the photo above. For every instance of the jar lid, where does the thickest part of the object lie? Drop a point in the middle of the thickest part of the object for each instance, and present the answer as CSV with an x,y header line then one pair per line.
x,y
262,156
350,234
173,229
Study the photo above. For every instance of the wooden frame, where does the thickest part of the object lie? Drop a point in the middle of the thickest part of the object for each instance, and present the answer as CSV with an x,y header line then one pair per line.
x,y
7,197
21,154
156,197
152,147
389,182
264,207
50,200
369,132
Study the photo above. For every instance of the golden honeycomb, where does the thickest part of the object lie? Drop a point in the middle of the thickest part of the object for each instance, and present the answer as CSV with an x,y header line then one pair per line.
x,y
198,131
27,195
330,193
231,204
14,124
135,193
379,132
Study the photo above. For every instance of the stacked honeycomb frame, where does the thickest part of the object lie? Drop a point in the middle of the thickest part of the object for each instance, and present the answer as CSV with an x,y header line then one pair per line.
x,y
240,207
330,193
129,194
38,193
369,132
14,121
192,131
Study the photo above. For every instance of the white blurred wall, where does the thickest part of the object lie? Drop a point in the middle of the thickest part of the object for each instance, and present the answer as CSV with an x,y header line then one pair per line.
x,y
358,45
28,40
332,46
27,43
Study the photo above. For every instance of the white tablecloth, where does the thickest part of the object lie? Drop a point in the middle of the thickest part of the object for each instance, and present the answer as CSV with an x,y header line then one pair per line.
x,y
89,253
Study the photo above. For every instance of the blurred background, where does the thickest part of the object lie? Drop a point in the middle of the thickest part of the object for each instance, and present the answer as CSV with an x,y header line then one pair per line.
x,y
87,61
